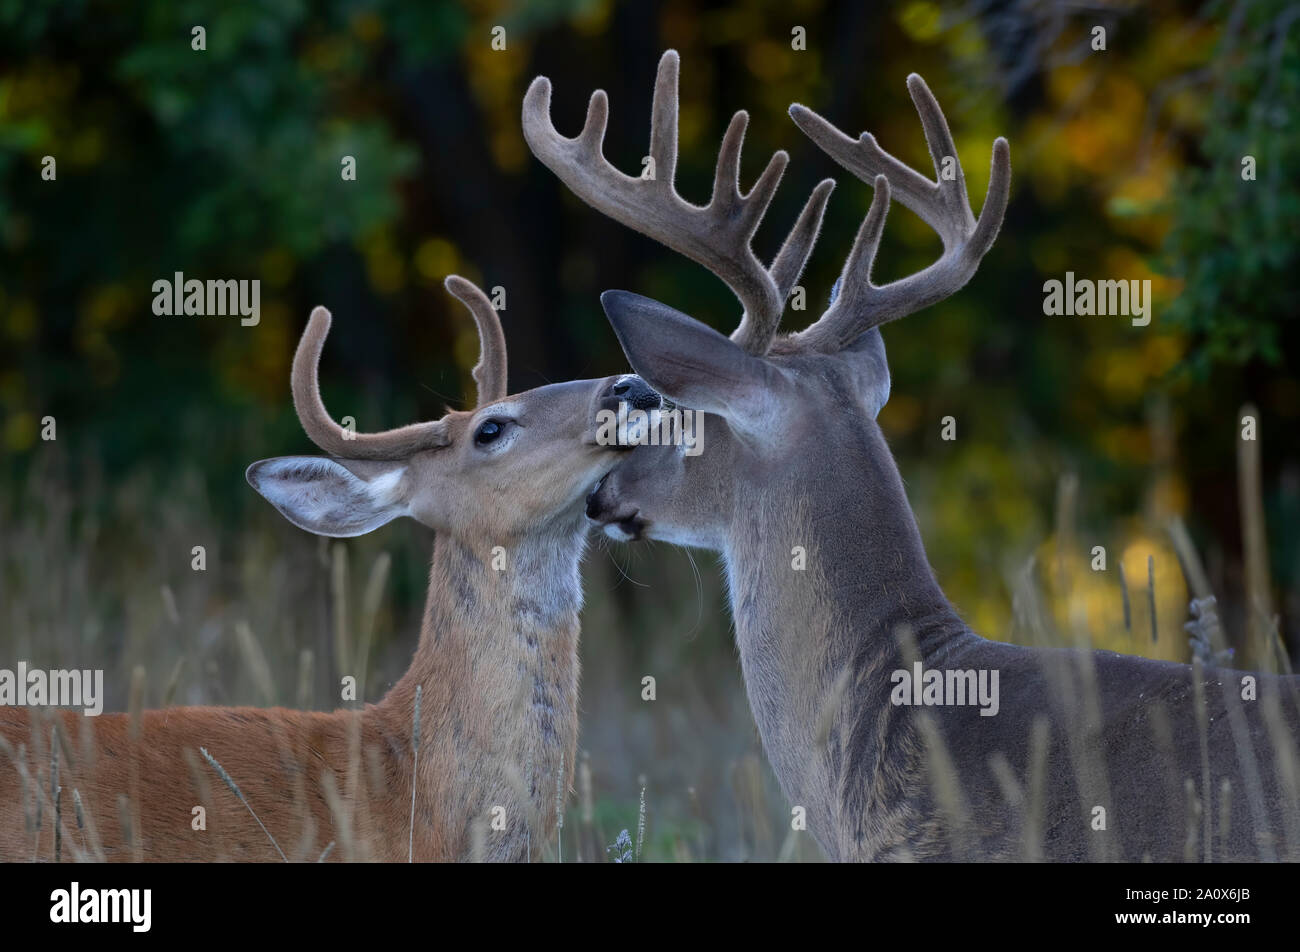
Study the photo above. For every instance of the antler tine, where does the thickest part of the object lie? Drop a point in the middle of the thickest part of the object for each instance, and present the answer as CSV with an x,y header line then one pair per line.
x,y
490,372
790,260
321,427
716,235
663,119
942,204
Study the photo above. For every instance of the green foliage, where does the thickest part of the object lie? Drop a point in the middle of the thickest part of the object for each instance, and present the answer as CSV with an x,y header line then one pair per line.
x,y
1233,240
225,163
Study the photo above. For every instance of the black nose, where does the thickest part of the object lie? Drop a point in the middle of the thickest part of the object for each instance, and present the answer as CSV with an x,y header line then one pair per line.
x,y
637,393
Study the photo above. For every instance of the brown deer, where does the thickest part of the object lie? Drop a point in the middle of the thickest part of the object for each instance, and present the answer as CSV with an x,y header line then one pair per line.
x,y
1075,754
469,769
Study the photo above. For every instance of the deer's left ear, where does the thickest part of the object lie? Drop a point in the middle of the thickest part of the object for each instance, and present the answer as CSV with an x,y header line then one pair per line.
x,y
331,497
866,357
692,364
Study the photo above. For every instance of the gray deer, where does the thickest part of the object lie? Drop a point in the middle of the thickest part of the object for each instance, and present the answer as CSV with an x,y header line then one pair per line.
x,y
1088,755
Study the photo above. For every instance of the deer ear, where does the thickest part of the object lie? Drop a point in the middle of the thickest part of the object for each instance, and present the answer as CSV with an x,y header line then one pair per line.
x,y
866,356
339,498
688,362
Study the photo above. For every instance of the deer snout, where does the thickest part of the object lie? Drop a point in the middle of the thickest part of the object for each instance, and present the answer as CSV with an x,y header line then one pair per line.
x,y
620,522
625,409
635,392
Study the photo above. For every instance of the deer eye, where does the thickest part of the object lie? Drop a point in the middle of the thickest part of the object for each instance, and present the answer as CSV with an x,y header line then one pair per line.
x,y
487,432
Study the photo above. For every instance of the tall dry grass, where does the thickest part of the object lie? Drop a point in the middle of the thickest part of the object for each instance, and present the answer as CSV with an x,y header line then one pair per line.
x,y
103,575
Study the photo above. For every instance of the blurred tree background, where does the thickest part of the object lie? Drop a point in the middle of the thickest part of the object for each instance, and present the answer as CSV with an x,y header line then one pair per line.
x,y
1073,432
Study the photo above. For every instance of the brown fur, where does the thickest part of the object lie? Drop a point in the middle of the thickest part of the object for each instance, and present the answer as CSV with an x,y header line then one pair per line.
x,y
499,694
496,662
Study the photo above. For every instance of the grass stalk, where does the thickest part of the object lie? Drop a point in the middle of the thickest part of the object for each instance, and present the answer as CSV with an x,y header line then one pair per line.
x,y
234,788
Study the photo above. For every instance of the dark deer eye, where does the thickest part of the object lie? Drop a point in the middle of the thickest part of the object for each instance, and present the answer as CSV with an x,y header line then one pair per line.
x,y
487,431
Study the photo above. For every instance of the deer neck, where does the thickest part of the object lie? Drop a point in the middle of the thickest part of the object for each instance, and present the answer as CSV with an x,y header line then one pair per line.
x,y
822,580
497,665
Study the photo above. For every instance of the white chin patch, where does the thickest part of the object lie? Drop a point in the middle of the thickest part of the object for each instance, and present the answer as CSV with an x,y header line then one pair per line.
x,y
618,533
